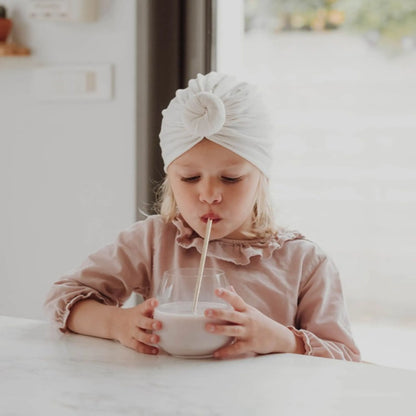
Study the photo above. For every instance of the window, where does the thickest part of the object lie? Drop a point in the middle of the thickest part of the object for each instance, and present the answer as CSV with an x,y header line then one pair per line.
x,y
339,79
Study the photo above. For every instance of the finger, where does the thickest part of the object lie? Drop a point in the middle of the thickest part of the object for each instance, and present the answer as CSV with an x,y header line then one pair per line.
x,y
143,348
232,298
231,288
238,348
237,331
145,337
148,306
229,315
145,322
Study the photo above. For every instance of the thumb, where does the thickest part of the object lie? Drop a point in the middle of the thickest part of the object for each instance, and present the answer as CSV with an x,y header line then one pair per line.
x,y
231,288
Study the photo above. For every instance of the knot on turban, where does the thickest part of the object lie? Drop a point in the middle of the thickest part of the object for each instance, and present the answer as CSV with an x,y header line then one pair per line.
x,y
203,114
219,108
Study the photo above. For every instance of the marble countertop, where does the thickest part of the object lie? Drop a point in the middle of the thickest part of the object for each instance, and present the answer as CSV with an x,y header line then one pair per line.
x,y
44,373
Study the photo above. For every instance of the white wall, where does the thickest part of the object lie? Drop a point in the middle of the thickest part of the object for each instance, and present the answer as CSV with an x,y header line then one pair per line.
x,y
67,169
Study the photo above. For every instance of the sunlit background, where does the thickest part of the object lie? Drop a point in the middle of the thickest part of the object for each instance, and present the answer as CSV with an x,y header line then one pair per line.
x,y
340,81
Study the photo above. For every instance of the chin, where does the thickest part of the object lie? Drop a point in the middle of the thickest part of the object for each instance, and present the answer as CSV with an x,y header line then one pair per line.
x,y
216,235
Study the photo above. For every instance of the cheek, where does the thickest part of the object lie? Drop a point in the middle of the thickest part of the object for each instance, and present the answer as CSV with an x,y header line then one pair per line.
x,y
182,196
245,196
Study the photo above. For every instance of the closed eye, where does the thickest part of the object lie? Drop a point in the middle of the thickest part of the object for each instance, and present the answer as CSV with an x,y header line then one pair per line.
x,y
190,179
227,179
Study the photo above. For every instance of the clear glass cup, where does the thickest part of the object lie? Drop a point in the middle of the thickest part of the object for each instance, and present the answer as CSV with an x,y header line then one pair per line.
x,y
183,333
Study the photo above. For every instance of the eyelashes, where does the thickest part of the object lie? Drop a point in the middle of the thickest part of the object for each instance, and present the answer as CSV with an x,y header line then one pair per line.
x,y
225,179
190,179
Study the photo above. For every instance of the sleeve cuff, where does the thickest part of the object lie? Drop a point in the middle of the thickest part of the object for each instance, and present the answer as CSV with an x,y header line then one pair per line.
x,y
304,337
62,321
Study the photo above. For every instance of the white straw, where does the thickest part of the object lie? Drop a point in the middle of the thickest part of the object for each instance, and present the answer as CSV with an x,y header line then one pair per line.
x,y
201,265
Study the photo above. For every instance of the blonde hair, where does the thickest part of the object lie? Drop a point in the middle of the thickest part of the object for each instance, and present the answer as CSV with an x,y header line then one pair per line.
x,y
263,224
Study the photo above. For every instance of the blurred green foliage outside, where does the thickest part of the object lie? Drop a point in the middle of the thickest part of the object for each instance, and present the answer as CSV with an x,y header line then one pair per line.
x,y
389,21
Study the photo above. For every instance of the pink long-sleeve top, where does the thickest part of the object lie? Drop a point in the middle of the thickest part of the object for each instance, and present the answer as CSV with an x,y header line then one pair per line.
x,y
286,277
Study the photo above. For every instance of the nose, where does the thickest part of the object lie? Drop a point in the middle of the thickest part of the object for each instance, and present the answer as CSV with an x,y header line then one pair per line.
x,y
210,192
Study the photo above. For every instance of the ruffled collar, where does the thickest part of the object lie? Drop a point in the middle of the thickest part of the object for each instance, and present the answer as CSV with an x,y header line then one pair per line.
x,y
238,252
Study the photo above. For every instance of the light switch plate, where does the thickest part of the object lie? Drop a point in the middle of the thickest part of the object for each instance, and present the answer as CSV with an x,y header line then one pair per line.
x,y
81,82
63,10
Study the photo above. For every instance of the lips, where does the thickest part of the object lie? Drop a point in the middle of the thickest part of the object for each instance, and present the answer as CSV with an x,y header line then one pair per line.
x,y
211,216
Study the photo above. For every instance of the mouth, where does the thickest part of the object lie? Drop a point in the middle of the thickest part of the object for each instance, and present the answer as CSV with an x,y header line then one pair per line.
x,y
211,216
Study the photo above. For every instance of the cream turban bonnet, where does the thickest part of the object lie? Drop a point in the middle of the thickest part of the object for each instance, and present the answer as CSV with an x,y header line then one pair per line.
x,y
220,108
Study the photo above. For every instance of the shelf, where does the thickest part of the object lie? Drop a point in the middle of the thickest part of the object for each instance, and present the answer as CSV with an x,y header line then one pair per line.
x,y
13,49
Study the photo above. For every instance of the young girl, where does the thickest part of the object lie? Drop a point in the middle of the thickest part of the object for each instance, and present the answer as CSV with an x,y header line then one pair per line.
x,y
285,292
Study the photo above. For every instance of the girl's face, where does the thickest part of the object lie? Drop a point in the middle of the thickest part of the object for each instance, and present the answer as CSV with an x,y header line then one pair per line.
x,y
210,181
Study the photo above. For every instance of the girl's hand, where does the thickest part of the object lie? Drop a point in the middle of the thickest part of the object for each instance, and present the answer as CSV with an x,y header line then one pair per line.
x,y
133,325
253,331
